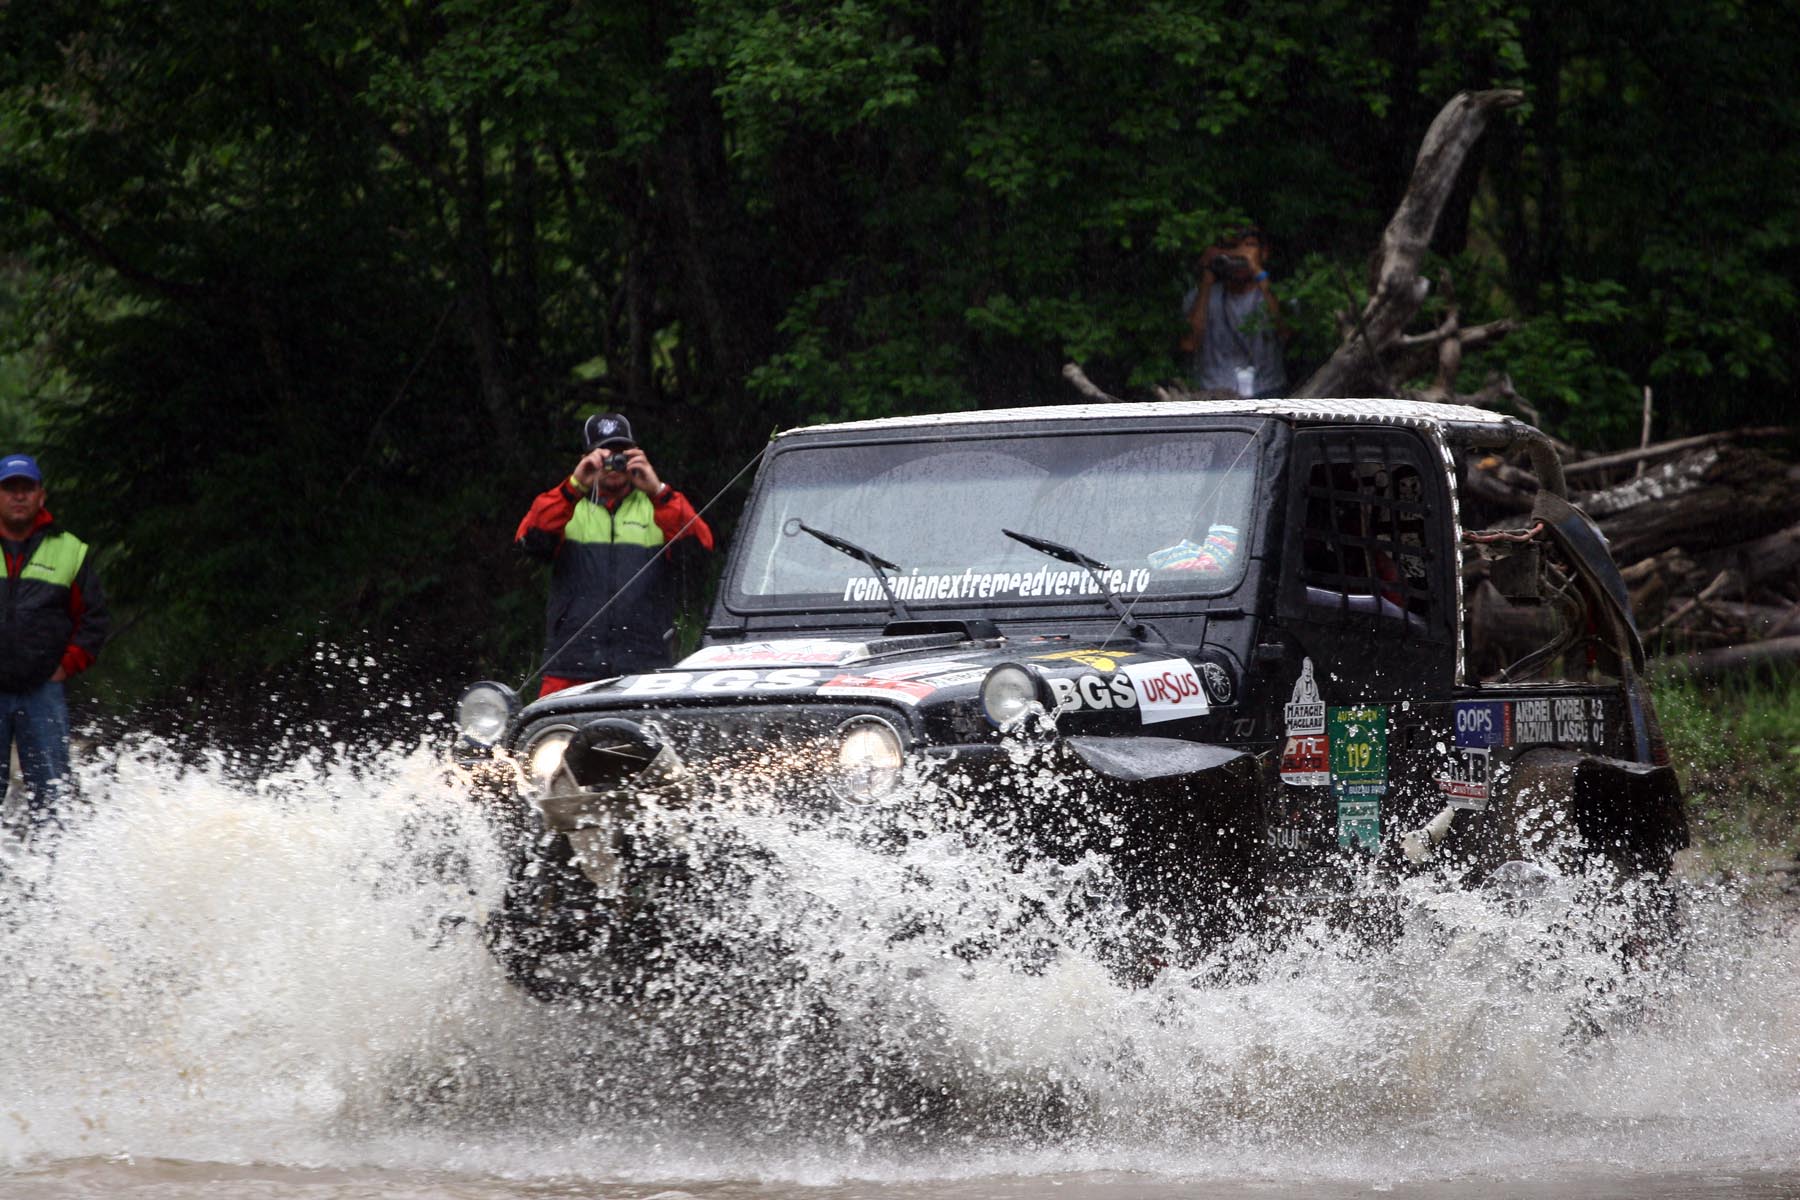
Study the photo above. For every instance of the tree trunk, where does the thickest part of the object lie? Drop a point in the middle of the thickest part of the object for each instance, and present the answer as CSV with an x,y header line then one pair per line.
x,y
480,306
1355,368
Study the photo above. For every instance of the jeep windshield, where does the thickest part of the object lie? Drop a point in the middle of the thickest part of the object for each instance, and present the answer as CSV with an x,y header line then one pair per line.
x,y
1165,511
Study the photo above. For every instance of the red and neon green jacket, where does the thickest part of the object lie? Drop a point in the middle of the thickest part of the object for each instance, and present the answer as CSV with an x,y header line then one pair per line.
x,y
594,550
52,613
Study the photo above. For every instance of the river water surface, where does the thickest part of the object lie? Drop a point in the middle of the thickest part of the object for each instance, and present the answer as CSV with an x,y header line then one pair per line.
x,y
237,983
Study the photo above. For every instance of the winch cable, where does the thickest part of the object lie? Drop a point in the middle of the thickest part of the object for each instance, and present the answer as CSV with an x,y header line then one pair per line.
x,y
1254,439
698,513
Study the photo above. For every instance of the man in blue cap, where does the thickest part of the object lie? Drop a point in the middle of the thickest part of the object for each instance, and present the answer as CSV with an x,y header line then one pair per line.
x,y
52,622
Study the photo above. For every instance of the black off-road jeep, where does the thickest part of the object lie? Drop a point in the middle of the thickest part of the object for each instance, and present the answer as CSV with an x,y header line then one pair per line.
x,y
1263,643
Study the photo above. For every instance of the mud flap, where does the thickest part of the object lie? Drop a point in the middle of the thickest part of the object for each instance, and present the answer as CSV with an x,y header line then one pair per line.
x,y
1628,812
1140,759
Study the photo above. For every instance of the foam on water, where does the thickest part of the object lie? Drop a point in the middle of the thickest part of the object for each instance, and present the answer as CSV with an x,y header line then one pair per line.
x,y
287,967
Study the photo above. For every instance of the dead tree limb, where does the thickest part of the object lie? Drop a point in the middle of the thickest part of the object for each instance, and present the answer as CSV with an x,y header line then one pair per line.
x,y
1626,458
1398,289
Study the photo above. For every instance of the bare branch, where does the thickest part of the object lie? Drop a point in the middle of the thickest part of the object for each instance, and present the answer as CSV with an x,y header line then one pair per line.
x,y
1087,387
1663,449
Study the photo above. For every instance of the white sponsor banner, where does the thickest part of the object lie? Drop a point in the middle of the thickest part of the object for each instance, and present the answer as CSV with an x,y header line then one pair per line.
x,y
796,652
1168,690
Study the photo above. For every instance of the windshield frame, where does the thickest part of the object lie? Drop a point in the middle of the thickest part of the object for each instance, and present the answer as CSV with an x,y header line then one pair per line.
x,y
1257,429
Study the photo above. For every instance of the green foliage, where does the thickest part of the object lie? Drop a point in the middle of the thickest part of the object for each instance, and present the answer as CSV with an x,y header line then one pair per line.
x,y
1736,746
341,279
1555,359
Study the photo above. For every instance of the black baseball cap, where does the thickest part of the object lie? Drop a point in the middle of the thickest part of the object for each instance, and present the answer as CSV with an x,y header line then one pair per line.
x,y
607,429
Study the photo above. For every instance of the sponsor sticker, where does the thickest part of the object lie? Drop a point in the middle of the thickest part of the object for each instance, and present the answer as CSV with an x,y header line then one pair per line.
x,y
1359,777
1306,762
1483,723
924,670
967,675
1167,690
1466,777
1100,660
906,691
796,652
1092,692
1359,823
1218,682
1305,711
674,683
1570,720
983,585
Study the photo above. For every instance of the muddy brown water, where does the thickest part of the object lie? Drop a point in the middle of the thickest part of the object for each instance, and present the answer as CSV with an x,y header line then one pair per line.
x,y
235,983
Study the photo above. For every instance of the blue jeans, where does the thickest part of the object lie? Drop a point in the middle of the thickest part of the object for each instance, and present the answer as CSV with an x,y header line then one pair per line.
x,y
38,720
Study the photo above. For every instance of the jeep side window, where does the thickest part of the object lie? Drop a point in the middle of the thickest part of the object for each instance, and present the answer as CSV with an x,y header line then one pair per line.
x,y
1363,537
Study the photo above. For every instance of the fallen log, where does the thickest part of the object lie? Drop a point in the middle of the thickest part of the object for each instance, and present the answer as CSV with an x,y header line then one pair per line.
x,y
1719,495
1711,664
1756,622
1643,454
1771,557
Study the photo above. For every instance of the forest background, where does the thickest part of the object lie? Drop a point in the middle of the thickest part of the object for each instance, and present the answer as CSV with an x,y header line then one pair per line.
x,y
301,303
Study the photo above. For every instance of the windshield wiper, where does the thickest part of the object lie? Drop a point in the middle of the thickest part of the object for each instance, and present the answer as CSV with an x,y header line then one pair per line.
x,y
1094,567
876,563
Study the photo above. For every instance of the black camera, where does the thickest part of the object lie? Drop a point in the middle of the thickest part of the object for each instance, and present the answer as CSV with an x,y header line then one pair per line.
x,y
615,461
1228,266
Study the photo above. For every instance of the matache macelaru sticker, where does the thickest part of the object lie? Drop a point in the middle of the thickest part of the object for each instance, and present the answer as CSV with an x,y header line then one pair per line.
x,y
1305,711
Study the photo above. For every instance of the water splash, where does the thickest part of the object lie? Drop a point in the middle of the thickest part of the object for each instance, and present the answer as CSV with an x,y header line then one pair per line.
x,y
285,964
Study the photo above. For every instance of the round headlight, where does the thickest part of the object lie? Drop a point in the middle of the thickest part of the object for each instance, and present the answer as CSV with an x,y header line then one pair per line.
x,y
483,711
869,759
545,754
1008,693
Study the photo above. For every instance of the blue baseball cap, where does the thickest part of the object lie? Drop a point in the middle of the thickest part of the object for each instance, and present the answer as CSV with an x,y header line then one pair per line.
x,y
20,466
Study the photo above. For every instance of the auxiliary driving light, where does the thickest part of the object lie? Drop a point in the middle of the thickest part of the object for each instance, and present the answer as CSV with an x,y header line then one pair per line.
x,y
870,755
483,711
1008,693
544,755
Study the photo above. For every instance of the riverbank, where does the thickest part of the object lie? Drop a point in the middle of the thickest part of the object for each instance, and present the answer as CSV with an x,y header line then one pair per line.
x,y
1736,744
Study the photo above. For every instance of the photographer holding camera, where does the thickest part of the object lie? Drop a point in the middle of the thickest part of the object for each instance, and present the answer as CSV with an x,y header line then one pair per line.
x,y
608,531
1235,330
